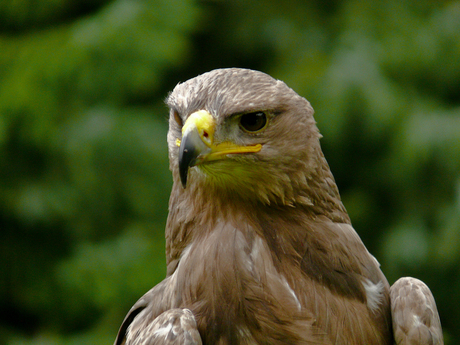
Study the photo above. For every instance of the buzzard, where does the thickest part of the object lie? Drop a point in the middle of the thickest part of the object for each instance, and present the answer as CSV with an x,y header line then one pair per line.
x,y
259,247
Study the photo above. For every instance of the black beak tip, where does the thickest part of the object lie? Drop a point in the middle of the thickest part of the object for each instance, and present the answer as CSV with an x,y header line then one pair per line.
x,y
187,156
188,152
183,168
183,177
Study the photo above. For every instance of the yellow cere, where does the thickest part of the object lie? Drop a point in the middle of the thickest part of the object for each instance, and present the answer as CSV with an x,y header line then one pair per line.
x,y
204,123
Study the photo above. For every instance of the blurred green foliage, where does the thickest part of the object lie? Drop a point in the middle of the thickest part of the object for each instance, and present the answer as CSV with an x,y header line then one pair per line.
x,y
83,159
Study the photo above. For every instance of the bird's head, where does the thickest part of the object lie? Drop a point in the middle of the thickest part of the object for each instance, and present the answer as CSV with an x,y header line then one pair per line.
x,y
239,132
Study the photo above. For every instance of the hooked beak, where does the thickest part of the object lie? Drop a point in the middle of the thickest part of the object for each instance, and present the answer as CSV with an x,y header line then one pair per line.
x,y
197,145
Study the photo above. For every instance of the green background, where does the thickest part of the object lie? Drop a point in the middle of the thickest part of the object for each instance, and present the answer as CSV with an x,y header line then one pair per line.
x,y
84,179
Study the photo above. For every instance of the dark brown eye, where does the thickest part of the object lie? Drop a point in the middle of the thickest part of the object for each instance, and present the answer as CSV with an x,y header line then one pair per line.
x,y
253,122
178,118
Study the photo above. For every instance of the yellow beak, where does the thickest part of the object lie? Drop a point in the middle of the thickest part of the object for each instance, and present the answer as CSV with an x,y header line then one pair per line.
x,y
197,144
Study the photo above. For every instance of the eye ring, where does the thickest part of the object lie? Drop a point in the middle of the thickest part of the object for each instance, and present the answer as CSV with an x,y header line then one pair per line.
x,y
178,119
253,122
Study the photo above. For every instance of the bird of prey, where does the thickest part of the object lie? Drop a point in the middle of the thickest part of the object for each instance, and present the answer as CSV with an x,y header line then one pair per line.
x,y
259,247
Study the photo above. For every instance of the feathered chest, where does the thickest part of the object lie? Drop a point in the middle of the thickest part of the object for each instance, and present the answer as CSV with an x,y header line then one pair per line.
x,y
244,287
229,281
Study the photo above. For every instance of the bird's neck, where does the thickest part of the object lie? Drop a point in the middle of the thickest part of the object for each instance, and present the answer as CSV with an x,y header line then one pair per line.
x,y
196,211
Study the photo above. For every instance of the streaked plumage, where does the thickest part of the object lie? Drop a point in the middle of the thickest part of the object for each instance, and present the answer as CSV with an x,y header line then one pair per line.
x,y
259,246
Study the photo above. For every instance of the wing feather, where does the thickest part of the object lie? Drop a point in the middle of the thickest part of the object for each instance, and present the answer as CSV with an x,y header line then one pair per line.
x,y
415,316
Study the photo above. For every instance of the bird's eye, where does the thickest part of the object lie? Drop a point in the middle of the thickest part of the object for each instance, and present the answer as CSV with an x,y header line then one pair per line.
x,y
178,118
253,122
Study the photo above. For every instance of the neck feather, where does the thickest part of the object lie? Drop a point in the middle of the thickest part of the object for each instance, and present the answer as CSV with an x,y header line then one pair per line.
x,y
195,211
